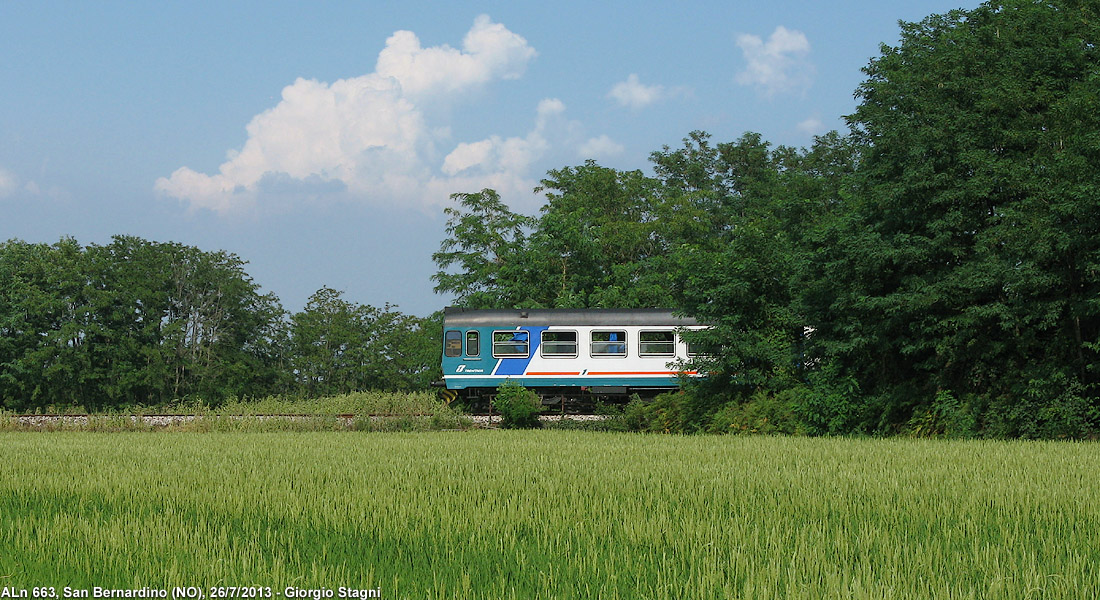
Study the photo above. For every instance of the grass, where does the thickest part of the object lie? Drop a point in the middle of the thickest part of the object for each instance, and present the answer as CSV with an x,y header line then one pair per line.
x,y
360,411
552,514
355,403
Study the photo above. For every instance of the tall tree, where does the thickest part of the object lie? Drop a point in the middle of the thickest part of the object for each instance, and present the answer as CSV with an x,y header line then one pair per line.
x,y
971,265
597,243
132,322
483,261
746,212
338,346
45,325
599,236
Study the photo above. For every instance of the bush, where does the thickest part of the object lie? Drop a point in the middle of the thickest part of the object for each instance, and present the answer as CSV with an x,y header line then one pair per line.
x,y
832,403
763,413
518,406
1048,406
446,417
667,413
947,417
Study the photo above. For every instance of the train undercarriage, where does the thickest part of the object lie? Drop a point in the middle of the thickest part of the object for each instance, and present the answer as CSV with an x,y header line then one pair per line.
x,y
557,400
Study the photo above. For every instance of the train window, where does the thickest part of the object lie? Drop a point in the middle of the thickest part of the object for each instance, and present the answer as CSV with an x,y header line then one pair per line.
x,y
657,343
452,343
559,344
692,350
608,343
473,344
511,344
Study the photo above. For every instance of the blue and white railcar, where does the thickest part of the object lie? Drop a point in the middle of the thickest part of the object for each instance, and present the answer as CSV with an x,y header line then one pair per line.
x,y
565,351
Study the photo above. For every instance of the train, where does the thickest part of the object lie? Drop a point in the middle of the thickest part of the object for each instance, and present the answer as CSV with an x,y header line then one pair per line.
x,y
565,354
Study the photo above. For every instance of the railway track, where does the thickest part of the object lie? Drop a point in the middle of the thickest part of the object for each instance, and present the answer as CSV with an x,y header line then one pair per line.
x,y
160,420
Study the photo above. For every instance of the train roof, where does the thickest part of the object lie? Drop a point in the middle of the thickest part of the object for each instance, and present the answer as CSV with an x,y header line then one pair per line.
x,y
454,316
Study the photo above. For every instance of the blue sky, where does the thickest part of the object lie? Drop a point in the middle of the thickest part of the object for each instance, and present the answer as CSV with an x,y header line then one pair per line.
x,y
321,141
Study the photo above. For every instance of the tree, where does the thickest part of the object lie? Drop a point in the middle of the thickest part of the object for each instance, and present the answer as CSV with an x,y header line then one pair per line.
x,y
598,239
132,322
747,213
969,266
338,346
598,242
486,242
44,325
405,350
329,344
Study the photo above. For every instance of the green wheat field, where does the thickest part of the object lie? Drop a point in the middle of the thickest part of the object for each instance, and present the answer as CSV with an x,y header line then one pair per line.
x,y
550,514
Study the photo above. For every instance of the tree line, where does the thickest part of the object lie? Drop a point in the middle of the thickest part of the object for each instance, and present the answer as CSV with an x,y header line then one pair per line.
x,y
934,270
140,323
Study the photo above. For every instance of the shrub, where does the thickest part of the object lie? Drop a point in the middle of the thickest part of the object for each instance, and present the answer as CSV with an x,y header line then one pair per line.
x,y
518,406
667,413
946,417
832,403
1048,406
763,412
446,417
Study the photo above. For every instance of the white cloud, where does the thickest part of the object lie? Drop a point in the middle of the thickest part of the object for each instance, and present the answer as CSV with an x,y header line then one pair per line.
x,y
8,183
466,156
778,65
512,155
811,127
489,52
599,147
368,134
632,93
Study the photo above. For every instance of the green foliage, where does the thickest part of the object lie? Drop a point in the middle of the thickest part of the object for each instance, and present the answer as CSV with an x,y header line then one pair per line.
x,y
486,242
137,323
600,236
132,322
761,413
446,418
740,268
968,265
518,406
337,347
674,412
598,243
1054,408
946,417
832,404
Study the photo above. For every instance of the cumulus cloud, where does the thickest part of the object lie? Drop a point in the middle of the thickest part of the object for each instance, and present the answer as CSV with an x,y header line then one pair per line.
x,y
600,147
8,183
811,127
489,52
779,65
367,136
514,154
633,94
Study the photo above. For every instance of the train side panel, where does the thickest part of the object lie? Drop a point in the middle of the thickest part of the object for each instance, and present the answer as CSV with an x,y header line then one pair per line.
x,y
595,356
